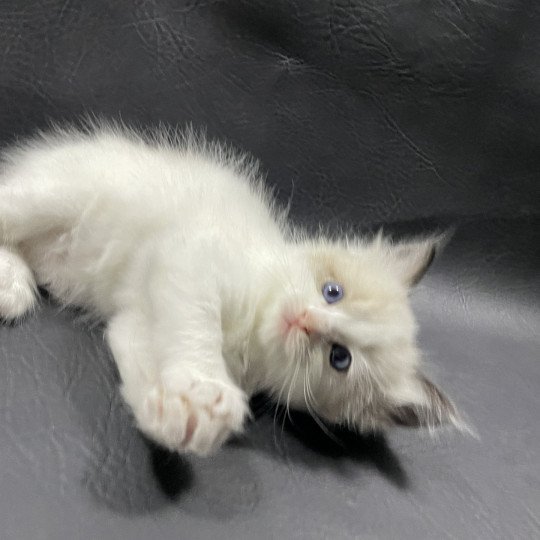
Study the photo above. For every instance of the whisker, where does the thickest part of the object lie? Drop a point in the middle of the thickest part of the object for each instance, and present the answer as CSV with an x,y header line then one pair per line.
x,y
287,404
312,412
278,402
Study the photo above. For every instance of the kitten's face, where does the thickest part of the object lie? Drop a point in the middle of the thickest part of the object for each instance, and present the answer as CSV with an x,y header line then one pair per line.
x,y
340,337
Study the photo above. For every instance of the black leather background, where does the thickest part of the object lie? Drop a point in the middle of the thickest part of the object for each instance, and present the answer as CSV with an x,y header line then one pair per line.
x,y
404,113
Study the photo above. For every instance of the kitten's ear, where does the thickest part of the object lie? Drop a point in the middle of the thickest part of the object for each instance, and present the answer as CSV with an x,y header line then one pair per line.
x,y
430,408
413,258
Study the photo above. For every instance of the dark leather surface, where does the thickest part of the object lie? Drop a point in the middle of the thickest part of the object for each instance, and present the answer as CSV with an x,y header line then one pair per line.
x,y
409,114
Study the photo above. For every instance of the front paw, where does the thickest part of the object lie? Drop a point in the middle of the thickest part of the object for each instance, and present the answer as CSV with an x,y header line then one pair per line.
x,y
195,416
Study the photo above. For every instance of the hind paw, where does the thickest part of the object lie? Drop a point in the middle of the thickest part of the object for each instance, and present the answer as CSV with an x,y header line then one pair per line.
x,y
17,286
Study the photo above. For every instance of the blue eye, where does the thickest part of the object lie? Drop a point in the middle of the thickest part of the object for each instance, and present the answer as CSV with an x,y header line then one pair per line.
x,y
340,357
332,292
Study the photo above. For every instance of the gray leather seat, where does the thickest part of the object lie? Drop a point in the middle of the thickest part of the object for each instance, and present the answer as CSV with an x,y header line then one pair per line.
x,y
410,115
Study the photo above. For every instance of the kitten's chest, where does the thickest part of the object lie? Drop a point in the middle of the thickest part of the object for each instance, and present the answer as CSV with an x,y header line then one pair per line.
x,y
238,321
234,349
242,282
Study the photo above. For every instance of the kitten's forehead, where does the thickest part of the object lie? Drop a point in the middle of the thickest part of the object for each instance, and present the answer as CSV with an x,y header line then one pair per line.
x,y
371,330
364,273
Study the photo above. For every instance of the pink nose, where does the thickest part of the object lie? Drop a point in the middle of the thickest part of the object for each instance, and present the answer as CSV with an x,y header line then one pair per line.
x,y
301,322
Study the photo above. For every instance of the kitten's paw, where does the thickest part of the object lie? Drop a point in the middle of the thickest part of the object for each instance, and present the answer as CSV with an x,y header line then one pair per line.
x,y
17,286
197,416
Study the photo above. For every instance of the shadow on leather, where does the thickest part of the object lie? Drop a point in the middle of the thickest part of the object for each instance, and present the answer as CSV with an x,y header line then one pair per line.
x,y
299,438
148,477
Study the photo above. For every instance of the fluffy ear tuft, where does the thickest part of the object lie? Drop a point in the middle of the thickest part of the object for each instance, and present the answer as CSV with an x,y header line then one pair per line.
x,y
413,258
430,408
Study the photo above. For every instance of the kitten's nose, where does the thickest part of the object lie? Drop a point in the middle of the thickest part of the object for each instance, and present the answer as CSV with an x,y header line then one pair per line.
x,y
302,322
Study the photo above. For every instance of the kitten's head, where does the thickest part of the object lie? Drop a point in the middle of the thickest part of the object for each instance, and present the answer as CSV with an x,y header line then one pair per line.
x,y
339,338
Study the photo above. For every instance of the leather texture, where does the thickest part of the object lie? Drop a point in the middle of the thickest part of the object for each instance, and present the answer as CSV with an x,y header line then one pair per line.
x,y
412,115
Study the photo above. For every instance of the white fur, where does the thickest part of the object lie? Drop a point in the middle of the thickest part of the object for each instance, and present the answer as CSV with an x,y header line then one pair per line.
x,y
178,246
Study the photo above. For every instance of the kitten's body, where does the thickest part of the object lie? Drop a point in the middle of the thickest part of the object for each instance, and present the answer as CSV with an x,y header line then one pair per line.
x,y
202,284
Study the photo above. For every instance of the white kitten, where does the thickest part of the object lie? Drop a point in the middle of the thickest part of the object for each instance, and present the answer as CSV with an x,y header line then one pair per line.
x,y
208,294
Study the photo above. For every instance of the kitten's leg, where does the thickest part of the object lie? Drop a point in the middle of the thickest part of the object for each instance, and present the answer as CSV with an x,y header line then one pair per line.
x,y
184,409
30,211
25,213
17,285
